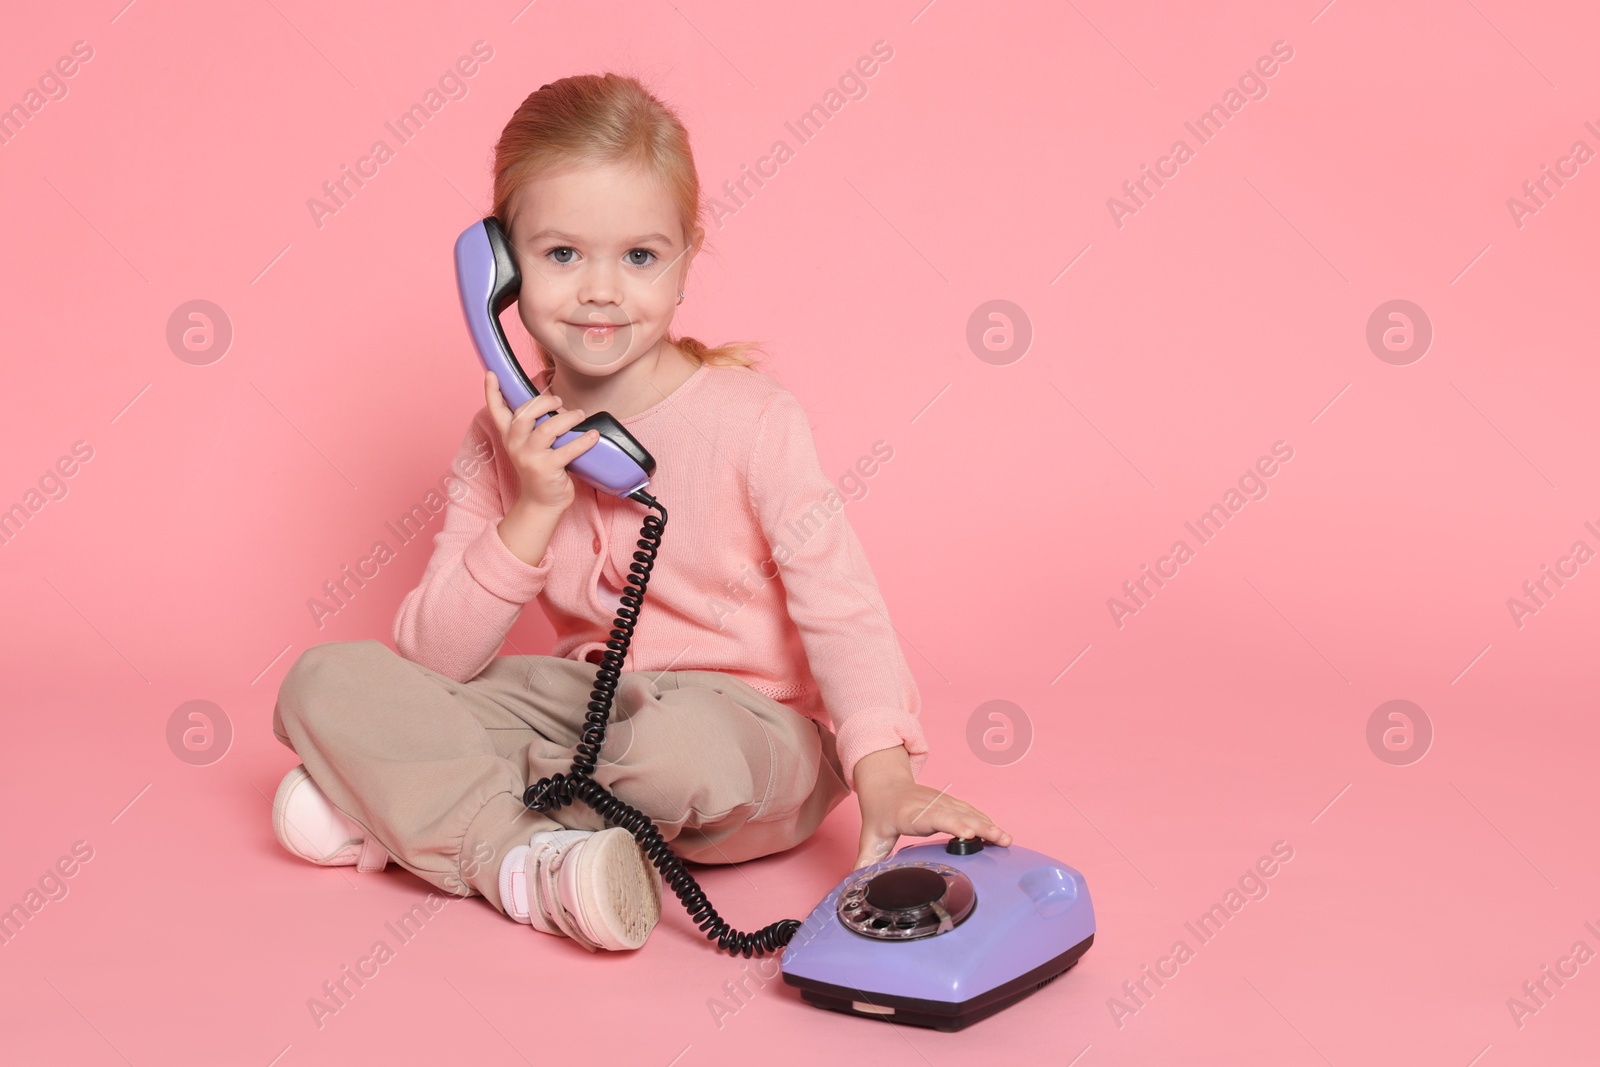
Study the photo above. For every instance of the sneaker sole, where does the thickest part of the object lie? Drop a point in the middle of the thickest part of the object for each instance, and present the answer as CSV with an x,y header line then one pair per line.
x,y
622,902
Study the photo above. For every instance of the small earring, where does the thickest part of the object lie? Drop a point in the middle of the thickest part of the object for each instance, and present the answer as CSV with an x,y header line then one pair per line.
x,y
680,296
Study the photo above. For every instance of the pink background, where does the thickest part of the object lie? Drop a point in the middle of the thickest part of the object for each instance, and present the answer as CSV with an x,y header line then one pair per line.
x,y
1228,313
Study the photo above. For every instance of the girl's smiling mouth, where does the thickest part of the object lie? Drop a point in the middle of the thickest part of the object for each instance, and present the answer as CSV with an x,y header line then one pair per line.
x,y
596,340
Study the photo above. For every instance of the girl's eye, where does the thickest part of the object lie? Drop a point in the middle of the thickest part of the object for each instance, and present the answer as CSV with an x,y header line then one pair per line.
x,y
558,253
650,257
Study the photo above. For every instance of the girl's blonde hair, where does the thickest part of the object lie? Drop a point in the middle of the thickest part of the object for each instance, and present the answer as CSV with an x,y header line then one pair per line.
x,y
598,119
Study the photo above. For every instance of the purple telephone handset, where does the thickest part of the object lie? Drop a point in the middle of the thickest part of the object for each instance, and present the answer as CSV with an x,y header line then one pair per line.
x,y
490,280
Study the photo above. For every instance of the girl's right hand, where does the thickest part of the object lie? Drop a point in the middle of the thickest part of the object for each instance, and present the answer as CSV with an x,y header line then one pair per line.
x,y
541,470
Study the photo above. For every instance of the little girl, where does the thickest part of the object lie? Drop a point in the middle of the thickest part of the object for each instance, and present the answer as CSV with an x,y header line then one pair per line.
x,y
764,681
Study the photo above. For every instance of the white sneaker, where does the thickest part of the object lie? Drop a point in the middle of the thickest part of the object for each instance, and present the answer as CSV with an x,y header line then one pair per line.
x,y
594,886
309,826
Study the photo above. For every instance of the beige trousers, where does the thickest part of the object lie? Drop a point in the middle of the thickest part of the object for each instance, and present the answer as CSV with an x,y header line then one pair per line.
x,y
434,769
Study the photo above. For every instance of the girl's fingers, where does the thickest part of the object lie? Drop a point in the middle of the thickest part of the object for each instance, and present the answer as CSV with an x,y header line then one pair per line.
x,y
954,807
497,405
575,448
501,411
970,822
533,405
524,422
986,830
530,413
556,425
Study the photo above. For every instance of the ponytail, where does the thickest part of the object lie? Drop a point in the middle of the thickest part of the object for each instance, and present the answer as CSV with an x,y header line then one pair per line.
x,y
732,354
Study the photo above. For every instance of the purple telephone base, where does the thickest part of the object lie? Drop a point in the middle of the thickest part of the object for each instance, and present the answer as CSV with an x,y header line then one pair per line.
x,y
949,933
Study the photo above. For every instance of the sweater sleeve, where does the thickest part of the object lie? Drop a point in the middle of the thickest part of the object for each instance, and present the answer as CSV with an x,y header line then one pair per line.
x,y
473,587
833,599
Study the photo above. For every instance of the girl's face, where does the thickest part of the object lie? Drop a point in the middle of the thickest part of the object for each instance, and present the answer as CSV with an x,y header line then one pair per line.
x,y
602,256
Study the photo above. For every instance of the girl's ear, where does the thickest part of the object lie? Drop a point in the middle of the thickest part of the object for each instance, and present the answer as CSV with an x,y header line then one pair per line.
x,y
697,237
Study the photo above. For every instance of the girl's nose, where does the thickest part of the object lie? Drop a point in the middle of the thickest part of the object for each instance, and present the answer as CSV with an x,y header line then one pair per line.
x,y
599,285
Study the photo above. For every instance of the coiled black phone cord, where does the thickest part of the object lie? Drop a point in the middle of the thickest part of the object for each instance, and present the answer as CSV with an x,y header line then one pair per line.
x,y
555,792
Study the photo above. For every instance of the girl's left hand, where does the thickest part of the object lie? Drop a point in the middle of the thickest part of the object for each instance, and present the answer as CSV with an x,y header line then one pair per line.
x,y
918,811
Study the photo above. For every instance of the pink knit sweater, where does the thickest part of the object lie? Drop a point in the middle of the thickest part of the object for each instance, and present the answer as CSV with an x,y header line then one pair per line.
x,y
759,575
